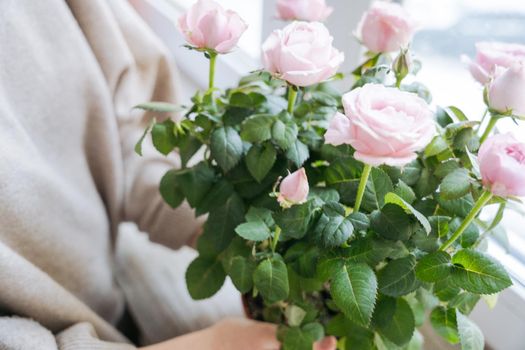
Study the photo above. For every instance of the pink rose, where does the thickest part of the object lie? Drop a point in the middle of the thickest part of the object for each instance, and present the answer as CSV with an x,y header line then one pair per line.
x,y
386,27
490,55
384,125
294,189
301,53
502,165
207,25
303,10
506,93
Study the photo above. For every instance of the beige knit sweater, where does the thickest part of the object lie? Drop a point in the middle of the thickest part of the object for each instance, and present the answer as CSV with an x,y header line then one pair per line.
x,y
70,72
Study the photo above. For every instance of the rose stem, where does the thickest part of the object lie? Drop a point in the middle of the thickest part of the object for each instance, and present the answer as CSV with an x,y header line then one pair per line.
x,y
492,122
276,238
482,119
213,59
362,185
292,96
483,199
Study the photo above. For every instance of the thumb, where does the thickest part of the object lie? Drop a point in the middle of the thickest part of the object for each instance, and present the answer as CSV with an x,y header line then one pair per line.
x,y
328,343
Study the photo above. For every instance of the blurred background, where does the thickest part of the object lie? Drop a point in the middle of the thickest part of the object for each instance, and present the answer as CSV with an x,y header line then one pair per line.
x,y
448,29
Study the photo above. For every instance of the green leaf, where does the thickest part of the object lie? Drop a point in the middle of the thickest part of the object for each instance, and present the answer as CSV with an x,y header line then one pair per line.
x,y
333,228
237,247
241,271
215,197
384,311
298,153
477,273
303,258
257,128
138,145
226,147
284,134
188,146
162,107
219,229
296,339
436,146
294,315
260,214
405,192
378,185
469,237
392,222
360,221
163,137
458,207
354,290
239,99
204,278
445,290
470,335
464,302
295,221
369,250
456,184
398,277
253,231
444,323
411,173
395,199
314,329
271,279
402,325
260,160
170,190
196,182
434,267
344,175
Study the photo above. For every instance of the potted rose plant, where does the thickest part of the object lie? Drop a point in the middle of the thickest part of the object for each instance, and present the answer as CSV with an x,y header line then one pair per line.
x,y
353,215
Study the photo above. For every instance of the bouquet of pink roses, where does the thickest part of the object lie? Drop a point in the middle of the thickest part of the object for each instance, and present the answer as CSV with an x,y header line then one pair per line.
x,y
347,215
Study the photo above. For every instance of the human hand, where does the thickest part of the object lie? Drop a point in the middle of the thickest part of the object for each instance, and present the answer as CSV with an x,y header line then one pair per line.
x,y
234,334
242,333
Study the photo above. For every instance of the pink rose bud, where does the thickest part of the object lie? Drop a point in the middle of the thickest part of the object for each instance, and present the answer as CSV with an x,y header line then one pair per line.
x,y
502,165
490,55
302,54
207,25
294,189
303,10
386,27
384,125
506,93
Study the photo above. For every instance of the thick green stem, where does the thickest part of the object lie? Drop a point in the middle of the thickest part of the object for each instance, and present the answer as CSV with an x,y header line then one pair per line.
x,y
276,238
482,119
362,185
492,122
292,96
483,199
213,60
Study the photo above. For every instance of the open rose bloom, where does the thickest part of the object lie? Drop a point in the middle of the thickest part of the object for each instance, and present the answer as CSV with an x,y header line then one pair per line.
x,y
490,56
502,165
303,10
302,54
207,25
386,27
384,125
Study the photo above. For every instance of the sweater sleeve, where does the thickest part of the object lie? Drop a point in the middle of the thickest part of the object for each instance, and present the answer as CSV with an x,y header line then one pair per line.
x,y
138,69
151,77
25,334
